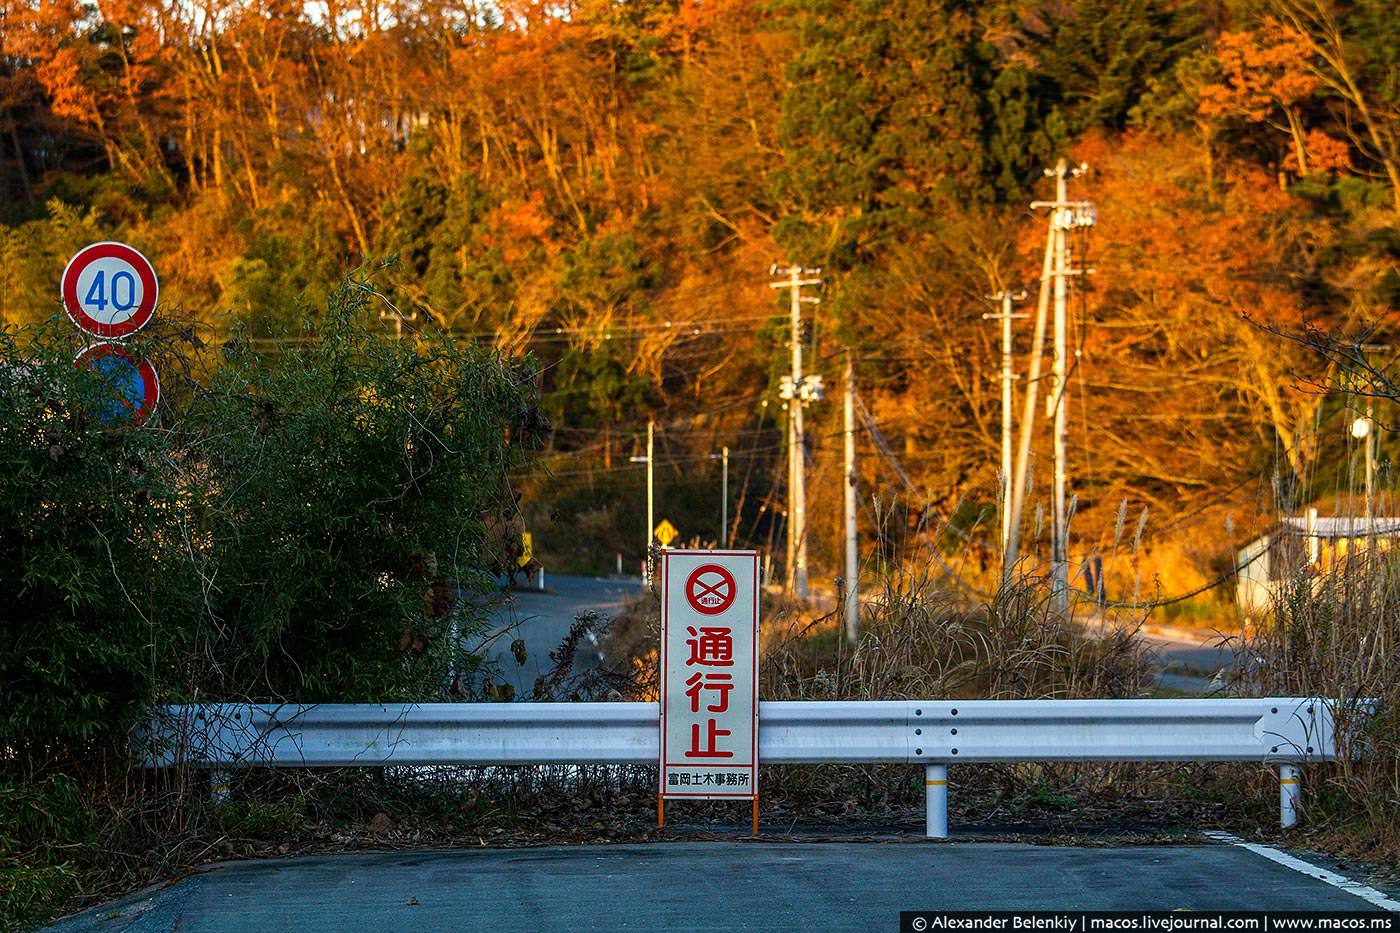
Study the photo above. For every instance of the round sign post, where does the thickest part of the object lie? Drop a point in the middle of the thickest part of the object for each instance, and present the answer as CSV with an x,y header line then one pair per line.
x,y
135,386
109,290
710,589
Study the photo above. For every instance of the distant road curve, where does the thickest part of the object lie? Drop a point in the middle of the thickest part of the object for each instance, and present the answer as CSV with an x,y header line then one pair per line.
x,y
543,619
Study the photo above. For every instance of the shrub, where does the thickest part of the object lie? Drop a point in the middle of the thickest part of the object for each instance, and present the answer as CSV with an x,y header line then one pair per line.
x,y
337,502
81,509
301,524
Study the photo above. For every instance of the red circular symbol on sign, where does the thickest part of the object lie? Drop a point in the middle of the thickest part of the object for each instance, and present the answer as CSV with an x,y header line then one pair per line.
x,y
109,290
133,382
710,589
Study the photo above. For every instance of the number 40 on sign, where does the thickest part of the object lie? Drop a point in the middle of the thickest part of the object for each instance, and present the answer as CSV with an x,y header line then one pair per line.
x,y
109,290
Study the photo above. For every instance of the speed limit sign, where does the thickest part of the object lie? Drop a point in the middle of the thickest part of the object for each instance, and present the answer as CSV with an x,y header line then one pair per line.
x,y
109,290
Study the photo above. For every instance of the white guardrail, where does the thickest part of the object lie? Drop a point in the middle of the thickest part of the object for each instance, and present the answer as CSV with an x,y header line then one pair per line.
x,y
1282,732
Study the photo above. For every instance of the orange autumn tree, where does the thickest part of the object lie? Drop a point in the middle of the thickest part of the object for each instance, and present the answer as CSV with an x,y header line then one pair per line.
x,y
1182,387
102,69
1265,78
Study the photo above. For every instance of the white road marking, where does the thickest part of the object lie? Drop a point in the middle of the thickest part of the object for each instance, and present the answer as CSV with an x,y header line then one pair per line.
x,y
1365,892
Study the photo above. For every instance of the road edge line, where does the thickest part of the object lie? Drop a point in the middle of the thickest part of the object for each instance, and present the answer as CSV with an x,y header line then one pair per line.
x,y
1363,891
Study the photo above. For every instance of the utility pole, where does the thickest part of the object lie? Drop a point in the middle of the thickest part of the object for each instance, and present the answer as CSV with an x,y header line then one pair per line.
x,y
798,391
651,489
723,458
1065,215
1007,378
724,498
1370,469
1371,440
852,541
1023,451
790,567
1059,400
650,461
1364,430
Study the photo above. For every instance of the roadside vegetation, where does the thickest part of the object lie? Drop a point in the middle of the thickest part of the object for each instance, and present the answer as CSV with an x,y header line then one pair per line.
x,y
1336,636
308,523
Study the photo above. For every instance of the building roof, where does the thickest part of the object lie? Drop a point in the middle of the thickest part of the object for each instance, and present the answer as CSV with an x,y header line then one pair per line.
x,y
1342,526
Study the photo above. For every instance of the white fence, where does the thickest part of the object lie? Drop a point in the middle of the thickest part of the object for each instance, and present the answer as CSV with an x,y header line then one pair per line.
x,y
1282,732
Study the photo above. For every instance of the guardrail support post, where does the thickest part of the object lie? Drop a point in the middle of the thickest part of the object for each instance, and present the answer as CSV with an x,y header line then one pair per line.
x,y
220,787
936,801
1290,795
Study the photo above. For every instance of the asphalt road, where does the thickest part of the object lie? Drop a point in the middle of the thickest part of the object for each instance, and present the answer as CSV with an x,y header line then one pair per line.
x,y
542,620
705,886
1187,663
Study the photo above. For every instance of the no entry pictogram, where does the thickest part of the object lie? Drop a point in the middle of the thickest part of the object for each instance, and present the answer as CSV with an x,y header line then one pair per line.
x,y
710,589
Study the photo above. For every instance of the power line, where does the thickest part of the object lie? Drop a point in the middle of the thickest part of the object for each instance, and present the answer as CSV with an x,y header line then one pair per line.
x,y
883,449
898,469
1179,598
600,331
623,467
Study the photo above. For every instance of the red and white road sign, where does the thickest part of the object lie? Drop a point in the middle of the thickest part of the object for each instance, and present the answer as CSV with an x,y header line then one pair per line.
x,y
710,589
709,674
133,385
109,290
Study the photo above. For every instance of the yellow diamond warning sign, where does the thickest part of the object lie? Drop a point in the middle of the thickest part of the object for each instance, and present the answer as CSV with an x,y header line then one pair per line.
x,y
665,533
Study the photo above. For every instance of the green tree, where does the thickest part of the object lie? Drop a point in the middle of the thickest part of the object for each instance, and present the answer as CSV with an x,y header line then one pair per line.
x,y
1100,55
303,526
882,115
447,262
83,502
343,494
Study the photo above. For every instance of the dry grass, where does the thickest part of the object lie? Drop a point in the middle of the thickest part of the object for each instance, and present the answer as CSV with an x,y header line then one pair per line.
x,y
1337,636
920,640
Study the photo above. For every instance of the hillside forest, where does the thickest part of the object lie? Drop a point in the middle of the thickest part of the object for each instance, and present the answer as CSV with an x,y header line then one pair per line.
x,y
604,187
